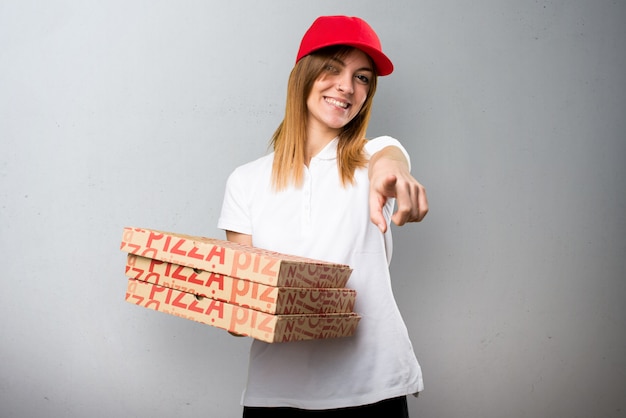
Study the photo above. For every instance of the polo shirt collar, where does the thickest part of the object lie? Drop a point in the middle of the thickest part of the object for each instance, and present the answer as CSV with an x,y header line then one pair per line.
x,y
329,152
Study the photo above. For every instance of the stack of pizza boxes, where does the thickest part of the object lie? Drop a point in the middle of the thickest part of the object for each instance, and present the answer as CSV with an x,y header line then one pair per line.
x,y
248,291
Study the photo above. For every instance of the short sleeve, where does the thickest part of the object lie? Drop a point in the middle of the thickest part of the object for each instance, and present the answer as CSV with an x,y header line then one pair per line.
x,y
235,214
376,144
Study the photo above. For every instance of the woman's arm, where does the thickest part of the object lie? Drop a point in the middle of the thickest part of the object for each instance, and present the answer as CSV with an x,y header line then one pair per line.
x,y
239,237
390,177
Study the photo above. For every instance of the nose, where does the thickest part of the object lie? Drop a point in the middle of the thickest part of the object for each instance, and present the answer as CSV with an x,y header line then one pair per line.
x,y
345,83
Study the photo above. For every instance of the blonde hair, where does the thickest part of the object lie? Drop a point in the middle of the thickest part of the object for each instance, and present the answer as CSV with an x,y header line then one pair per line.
x,y
289,138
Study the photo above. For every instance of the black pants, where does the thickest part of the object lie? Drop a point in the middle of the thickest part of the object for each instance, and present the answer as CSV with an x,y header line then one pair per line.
x,y
389,408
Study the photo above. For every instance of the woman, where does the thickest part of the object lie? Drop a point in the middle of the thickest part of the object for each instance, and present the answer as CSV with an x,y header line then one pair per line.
x,y
327,193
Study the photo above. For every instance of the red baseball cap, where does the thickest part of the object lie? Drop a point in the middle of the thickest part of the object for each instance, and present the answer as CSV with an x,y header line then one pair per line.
x,y
345,30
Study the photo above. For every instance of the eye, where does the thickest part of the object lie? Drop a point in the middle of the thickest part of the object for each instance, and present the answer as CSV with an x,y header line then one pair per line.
x,y
362,78
331,69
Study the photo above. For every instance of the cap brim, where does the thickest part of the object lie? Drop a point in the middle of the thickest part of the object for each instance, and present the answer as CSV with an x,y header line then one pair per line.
x,y
383,64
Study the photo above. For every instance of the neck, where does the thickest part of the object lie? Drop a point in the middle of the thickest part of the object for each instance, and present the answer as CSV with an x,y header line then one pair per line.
x,y
316,140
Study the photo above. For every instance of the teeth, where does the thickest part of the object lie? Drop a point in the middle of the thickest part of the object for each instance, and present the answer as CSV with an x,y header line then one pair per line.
x,y
337,103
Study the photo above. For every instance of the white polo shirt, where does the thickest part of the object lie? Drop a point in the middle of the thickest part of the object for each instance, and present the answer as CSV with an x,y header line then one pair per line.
x,y
326,221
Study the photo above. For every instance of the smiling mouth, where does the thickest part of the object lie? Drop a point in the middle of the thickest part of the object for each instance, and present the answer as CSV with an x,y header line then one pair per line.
x,y
338,103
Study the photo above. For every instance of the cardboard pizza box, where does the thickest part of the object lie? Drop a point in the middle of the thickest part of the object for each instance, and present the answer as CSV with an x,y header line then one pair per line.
x,y
234,260
238,319
270,299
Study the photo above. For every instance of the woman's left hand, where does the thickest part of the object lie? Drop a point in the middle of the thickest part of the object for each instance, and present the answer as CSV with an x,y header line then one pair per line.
x,y
390,178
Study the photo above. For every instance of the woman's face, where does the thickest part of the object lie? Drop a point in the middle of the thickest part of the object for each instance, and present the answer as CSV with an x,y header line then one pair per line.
x,y
339,92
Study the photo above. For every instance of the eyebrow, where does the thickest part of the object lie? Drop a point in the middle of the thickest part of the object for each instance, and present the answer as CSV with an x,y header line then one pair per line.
x,y
338,60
